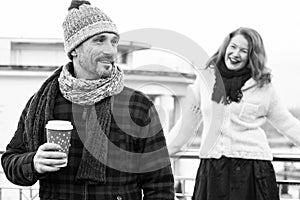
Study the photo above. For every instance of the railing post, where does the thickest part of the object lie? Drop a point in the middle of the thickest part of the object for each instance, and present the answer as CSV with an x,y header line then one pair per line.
x,y
20,194
284,188
280,189
183,187
30,192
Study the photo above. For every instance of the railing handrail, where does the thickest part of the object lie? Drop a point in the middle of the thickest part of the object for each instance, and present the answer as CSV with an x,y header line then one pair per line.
x,y
284,157
194,154
19,188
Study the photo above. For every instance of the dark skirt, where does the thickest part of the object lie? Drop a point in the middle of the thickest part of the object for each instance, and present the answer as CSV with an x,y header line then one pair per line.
x,y
235,179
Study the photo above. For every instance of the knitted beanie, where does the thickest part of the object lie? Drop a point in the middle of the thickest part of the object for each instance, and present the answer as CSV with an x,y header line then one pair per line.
x,y
82,22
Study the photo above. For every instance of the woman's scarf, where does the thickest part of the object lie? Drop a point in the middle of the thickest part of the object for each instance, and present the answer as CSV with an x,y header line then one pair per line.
x,y
228,83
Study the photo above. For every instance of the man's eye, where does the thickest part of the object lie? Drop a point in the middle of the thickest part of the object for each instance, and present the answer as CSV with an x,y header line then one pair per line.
x,y
114,42
100,40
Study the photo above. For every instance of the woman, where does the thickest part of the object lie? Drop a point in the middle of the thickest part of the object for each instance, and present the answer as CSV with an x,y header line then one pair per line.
x,y
235,97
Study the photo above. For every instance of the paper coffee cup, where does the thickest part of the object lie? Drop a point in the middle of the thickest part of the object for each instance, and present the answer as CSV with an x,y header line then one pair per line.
x,y
59,132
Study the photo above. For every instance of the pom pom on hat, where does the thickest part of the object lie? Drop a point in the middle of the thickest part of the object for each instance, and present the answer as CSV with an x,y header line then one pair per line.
x,y
77,3
82,22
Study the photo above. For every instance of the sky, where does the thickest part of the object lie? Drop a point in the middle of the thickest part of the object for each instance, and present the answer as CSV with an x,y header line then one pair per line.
x,y
206,22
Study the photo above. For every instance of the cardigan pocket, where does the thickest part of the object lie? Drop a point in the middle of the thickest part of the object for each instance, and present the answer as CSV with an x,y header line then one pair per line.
x,y
249,112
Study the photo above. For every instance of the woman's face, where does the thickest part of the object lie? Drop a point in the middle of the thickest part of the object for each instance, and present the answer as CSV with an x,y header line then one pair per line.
x,y
236,55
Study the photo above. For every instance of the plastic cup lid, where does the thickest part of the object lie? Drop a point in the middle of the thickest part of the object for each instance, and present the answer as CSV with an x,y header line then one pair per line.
x,y
59,125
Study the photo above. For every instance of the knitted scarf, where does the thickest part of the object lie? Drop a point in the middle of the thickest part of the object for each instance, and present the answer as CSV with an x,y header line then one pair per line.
x,y
228,83
92,168
89,92
97,93
40,110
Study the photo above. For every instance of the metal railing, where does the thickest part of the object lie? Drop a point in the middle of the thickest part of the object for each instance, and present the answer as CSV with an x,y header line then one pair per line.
x,y
181,192
26,193
31,193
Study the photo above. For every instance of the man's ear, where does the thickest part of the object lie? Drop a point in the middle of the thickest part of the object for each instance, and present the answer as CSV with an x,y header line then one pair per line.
x,y
73,53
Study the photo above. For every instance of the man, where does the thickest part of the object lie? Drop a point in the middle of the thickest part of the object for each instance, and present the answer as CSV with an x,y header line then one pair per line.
x,y
117,150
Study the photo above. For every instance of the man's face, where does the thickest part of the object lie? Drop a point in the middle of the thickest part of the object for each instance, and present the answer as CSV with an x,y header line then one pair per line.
x,y
95,56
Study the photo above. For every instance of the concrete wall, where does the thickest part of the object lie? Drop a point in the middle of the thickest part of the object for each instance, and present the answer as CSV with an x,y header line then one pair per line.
x,y
4,51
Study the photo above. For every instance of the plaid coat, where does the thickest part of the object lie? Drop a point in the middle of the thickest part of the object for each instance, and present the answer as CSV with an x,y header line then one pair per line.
x,y
135,128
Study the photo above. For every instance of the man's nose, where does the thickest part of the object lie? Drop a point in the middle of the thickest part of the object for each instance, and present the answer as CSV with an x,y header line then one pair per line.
x,y
109,49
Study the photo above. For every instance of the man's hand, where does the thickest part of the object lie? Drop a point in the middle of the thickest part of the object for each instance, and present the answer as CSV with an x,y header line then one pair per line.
x,y
48,158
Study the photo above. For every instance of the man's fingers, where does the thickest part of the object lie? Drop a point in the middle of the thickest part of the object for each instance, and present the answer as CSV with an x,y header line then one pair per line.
x,y
46,168
50,147
50,150
52,162
52,155
43,165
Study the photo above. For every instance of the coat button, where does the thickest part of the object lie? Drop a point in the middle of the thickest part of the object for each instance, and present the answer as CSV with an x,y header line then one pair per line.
x,y
119,197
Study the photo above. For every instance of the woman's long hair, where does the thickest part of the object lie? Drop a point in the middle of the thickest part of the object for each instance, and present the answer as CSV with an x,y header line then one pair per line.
x,y
256,55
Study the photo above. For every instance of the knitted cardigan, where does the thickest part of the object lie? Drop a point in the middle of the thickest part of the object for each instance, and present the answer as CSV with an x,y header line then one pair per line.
x,y
232,130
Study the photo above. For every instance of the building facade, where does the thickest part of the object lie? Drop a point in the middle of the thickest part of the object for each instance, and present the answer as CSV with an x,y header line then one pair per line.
x,y
26,62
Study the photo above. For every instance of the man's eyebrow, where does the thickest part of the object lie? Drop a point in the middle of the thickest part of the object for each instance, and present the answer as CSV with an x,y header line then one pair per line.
x,y
98,36
116,37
